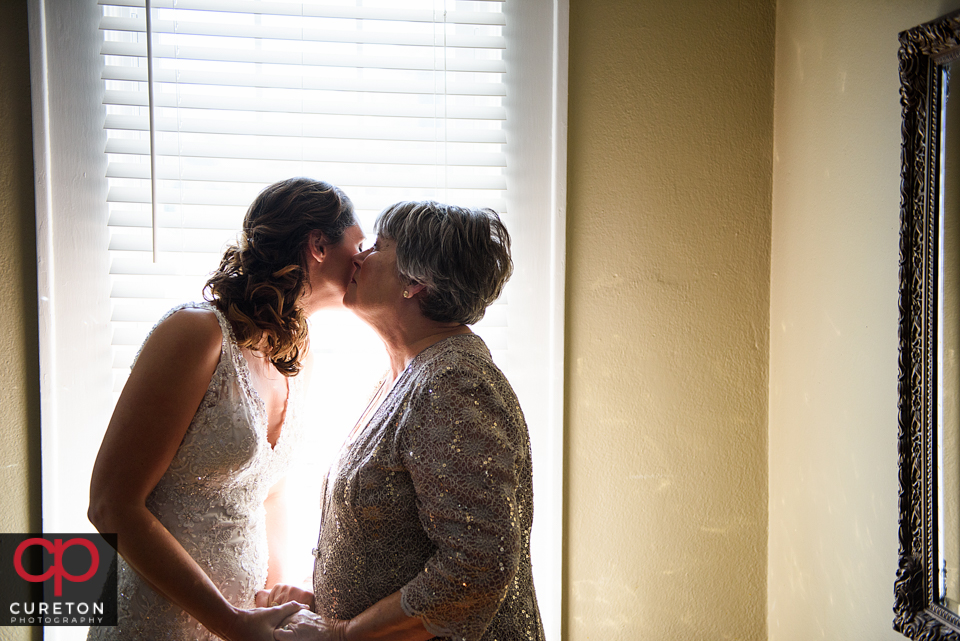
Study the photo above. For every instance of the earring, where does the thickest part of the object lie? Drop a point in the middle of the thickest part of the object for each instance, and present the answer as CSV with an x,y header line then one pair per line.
x,y
406,294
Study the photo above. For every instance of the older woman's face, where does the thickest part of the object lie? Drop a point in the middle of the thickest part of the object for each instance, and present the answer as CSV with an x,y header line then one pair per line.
x,y
375,286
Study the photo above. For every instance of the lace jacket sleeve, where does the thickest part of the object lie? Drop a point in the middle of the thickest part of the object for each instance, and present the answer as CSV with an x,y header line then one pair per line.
x,y
461,449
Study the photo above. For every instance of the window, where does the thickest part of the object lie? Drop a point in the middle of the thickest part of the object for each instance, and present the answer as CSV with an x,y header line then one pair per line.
x,y
436,99
388,103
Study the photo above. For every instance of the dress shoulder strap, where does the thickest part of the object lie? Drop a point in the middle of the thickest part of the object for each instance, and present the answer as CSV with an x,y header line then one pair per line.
x,y
229,340
230,352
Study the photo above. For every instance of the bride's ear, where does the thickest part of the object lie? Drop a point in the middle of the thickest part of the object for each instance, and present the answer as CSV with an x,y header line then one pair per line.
x,y
317,245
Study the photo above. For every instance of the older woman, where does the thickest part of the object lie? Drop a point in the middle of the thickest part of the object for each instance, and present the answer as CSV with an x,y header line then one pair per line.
x,y
427,513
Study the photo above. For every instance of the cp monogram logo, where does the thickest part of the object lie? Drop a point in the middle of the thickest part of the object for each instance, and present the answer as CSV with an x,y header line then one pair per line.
x,y
56,570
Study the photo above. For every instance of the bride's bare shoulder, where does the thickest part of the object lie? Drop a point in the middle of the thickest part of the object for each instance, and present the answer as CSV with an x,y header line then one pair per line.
x,y
190,330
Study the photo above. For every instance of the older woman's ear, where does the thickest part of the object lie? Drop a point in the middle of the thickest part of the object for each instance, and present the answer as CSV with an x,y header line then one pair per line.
x,y
413,289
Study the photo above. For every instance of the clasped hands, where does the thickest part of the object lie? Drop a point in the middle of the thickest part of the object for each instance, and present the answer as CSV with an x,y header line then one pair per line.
x,y
304,625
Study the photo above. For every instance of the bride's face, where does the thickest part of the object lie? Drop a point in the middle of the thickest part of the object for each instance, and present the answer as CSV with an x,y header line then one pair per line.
x,y
331,268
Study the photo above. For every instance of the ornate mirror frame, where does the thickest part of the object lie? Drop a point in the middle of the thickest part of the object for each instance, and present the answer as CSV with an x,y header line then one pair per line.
x,y
924,50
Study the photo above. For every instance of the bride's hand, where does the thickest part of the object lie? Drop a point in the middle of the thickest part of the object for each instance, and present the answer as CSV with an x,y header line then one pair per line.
x,y
308,626
283,593
258,624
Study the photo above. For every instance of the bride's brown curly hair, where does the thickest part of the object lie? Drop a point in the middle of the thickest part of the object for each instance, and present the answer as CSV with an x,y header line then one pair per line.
x,y
261,279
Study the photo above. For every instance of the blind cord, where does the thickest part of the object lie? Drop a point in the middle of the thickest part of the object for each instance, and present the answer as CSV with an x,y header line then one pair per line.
x,y
153,154
441,167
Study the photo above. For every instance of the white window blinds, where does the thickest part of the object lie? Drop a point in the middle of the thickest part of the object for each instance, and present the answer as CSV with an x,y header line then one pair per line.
x,y
389,101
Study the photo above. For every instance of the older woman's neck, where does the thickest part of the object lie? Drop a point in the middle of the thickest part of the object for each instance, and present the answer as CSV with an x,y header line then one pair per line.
x,y
405,340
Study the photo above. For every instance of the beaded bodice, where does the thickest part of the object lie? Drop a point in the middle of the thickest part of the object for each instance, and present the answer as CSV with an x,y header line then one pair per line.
x,y
211,499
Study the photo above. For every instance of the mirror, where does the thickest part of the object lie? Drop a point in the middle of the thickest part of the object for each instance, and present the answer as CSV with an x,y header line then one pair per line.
x,y
948,387
927,588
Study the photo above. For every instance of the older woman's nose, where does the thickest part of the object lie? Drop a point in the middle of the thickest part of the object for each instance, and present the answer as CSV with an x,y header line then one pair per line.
x,y
362,256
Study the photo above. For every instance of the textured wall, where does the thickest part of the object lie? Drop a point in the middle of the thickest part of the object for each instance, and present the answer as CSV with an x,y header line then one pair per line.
x,y
19,376
833,347
668,250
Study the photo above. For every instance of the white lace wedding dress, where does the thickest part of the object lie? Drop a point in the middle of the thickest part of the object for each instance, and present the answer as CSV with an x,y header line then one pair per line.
x,y
211,499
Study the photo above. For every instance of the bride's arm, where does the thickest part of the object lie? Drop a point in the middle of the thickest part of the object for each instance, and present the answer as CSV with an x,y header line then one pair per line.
x,y
155,408
277,592
276,508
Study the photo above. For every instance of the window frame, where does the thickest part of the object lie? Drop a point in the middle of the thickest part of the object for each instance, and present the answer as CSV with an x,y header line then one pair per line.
x,y
70,169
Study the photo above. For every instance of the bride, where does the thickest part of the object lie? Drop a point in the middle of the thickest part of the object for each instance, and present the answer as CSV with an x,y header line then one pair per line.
x,y
189,474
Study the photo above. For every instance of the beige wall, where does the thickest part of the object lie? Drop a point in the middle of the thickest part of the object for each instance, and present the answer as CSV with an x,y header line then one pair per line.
x,y
19,376
668,250
833,317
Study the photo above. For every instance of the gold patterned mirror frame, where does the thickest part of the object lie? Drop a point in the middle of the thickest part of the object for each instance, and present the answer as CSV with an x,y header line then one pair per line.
x,y
924,50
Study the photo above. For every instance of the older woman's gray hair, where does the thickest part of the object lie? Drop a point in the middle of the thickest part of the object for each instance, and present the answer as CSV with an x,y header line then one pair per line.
x,y
460,255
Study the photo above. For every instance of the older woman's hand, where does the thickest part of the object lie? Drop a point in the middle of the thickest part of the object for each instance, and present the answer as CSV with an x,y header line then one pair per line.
x,y
308,626
258,624
283,593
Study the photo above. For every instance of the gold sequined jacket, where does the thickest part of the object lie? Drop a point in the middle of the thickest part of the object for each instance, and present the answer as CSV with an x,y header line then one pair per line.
x,y
433,497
